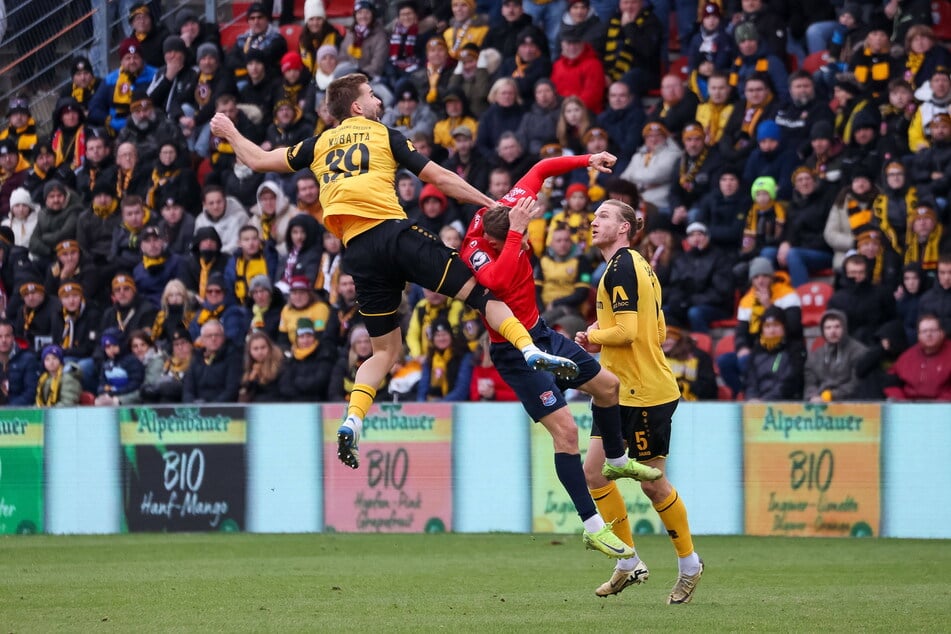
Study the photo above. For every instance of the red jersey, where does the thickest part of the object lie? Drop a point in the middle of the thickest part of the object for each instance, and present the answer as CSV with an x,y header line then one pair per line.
x,y
509,274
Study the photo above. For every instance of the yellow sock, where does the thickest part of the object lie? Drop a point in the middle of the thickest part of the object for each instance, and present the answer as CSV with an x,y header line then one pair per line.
x,y
360,400
515,333
611,506
673,513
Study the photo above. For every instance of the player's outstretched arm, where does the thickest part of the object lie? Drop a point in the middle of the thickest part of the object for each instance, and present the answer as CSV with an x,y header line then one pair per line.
x,y
247,152
453,185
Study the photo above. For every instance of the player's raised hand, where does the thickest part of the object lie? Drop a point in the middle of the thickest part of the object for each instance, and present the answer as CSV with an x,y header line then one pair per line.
x,y
602,161
222,126
521,214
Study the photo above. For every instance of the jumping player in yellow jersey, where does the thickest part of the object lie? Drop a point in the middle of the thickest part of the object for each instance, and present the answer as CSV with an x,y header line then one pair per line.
x,y
355,164
629,332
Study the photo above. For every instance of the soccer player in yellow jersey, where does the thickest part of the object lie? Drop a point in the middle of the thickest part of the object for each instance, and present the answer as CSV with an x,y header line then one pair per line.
x,y
629,332
355,165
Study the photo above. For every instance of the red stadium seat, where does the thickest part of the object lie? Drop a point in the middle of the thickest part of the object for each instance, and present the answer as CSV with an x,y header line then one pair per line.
x,y
230,33
815,61
724,345
703,341
724,393
814,297
291,33
87,398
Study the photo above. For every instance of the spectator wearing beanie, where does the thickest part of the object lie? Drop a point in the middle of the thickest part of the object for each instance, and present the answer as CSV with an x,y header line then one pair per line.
x,y
776,363
293,86
651,166
58,385
44,170
206,258
266,306
24,214
97,224
129,311
365,47
754,56
149,30
773,157
318,32
76,331
83,84
157,268
13,172
175,82
306,378
72,265
219,305
148,129
33,314
177,226
112,103
303,303
214,374
768,289
261,36
120,373
578,72
530,62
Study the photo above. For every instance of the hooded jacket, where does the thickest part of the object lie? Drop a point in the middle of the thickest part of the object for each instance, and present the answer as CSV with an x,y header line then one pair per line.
x,y
52,227
228,226
277,227
189,271
830,370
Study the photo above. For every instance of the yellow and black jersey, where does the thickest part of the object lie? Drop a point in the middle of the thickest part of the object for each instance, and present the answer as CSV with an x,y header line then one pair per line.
x,y
355,165
630,286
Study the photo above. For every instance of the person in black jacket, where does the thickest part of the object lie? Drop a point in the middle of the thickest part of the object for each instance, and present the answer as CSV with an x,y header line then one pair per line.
x,y
214,375
866,305
803,249
174,83
775,370
33,315
302,380
263,366
693,176
121,373
701,284
206,258
723,211
76,331
129,311
19,369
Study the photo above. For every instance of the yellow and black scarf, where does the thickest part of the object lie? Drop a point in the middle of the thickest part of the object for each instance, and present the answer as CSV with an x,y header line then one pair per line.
x,y
52,394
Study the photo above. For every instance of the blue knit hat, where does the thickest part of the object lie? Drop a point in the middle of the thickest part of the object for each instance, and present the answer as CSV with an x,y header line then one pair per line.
x,y
111,337
52,349
768,129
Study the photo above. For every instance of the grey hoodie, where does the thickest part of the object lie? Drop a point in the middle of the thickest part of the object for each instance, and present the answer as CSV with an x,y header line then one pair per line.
x,y
832,367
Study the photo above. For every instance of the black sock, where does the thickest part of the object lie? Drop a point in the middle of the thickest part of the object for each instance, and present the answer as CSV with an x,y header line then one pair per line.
x,y
569,470
608,420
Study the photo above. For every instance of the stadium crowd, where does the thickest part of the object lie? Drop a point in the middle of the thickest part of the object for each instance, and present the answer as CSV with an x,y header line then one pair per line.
x,y
792,164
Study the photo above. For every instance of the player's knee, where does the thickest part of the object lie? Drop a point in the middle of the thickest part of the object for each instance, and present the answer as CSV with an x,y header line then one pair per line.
x,y
593,476
478,297
605,387
564,435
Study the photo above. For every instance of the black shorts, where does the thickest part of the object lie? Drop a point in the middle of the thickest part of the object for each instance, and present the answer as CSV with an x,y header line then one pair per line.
x,y
383,259
540,392
646,430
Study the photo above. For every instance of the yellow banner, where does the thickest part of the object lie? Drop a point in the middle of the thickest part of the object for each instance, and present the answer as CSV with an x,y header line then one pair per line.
x,y
552,509
398,422
17,432
181,426
812,469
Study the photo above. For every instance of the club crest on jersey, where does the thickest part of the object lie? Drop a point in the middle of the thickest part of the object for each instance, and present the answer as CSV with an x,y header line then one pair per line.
x,y
478,259
547,398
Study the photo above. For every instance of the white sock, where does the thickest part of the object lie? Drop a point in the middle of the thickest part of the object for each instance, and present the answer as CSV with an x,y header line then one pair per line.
x,y
620,461
628,564
356,424
594,523
689,565
529,350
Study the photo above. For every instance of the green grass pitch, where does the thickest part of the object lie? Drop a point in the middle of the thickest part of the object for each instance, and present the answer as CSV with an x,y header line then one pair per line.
x,y
462,583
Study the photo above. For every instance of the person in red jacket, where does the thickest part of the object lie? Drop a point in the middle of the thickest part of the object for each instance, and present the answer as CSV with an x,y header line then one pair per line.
x,y
497,250
924,370
579,72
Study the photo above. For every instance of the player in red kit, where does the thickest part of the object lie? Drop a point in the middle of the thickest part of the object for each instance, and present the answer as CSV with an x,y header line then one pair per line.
x,y
497,251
